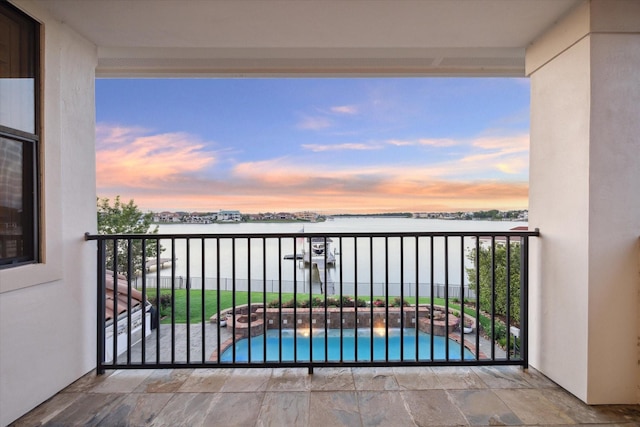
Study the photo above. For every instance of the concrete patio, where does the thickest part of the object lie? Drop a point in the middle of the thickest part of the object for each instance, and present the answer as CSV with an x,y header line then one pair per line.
x,y
348,396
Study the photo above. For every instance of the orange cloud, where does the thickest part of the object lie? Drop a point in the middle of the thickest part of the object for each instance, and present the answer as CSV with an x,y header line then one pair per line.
x,y
437,196
127,158
277,172
443,196
341,203
172,172
368,187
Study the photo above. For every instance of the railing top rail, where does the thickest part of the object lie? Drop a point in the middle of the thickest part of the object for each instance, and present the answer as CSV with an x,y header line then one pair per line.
x,y
480,234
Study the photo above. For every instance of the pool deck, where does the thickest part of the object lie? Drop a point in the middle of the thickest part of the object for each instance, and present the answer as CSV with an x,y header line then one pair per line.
x,y
415,396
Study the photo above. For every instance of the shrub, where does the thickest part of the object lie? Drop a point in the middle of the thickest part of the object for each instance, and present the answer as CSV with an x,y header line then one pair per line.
x,y
500,328
165,304
288,304
318,302
333,302
379,303
398,302
348,302
498,275
303,303
273,304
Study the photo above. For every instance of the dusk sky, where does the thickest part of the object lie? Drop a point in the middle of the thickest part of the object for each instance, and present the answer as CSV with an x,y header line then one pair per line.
x,y
325,145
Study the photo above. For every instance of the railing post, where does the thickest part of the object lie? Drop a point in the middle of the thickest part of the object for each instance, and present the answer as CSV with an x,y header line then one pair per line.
x,y
143,278
524,301
129,274
508,296
100,309
116,320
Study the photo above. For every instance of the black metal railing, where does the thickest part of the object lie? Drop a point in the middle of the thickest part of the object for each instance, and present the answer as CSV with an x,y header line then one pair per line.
x,y
312,299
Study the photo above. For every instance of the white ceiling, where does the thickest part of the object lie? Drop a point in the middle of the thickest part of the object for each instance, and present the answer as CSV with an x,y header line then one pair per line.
x,y
314,37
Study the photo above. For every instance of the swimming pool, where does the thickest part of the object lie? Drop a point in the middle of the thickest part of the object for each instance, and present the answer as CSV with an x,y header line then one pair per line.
x,y
304,340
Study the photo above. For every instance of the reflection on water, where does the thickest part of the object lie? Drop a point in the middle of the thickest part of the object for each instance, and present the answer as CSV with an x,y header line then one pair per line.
x,y
258,264
341,345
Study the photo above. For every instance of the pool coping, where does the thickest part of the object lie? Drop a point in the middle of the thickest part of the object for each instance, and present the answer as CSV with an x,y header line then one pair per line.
x,y
258,325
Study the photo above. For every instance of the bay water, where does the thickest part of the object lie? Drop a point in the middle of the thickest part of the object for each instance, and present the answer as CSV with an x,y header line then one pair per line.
x,y
363,266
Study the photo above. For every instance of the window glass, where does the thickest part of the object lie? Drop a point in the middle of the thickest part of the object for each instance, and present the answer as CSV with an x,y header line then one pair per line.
x,y
17,104
12,228
17,71
18,137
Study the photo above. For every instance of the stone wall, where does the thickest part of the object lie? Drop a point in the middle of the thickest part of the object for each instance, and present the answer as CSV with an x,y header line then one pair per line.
x,y
347,318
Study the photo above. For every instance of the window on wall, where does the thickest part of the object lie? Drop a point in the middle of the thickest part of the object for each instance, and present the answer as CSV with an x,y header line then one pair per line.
x,y
19,141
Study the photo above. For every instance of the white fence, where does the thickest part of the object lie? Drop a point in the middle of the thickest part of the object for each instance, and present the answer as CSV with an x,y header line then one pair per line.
x,y
287,286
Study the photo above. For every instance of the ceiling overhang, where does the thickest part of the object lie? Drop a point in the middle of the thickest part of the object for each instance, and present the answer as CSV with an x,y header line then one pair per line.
x,y
173,38
238,62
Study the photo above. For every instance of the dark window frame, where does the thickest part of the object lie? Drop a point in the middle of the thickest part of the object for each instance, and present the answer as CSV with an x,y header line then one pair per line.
x,y
31,143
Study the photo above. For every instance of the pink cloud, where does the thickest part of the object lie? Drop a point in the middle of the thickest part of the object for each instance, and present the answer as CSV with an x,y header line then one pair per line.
x,y
173,171
508,155
126,158
433,142
369,186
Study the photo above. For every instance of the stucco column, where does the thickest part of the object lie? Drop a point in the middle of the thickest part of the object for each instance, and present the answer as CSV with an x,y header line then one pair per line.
x,y
585,198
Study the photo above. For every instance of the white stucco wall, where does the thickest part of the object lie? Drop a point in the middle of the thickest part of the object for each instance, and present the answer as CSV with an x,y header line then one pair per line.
x,y
559,205
614,224
47,320
584,177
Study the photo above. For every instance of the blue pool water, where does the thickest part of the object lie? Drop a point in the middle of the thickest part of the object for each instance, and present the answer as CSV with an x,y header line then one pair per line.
x,y
334,346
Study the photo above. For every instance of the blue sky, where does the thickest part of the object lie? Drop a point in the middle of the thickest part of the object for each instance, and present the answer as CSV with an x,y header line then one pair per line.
x,y
330,145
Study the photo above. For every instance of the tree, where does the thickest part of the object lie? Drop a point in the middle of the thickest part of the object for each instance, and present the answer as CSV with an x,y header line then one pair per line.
x,y
500,273
125,218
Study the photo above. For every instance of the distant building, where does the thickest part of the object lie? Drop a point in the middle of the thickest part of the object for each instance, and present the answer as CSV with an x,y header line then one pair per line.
x,y
166,217
284,216
307,216
199,218
229,216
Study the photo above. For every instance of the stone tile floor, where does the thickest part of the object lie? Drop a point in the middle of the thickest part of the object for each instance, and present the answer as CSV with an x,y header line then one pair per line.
x,y
330,397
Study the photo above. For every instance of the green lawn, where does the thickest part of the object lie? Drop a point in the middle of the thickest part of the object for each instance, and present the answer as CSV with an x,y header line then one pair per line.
x,y
210,303
226,301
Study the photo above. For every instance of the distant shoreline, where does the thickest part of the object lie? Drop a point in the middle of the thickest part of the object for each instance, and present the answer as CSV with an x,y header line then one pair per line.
x,y
291,221
494,215
277,221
